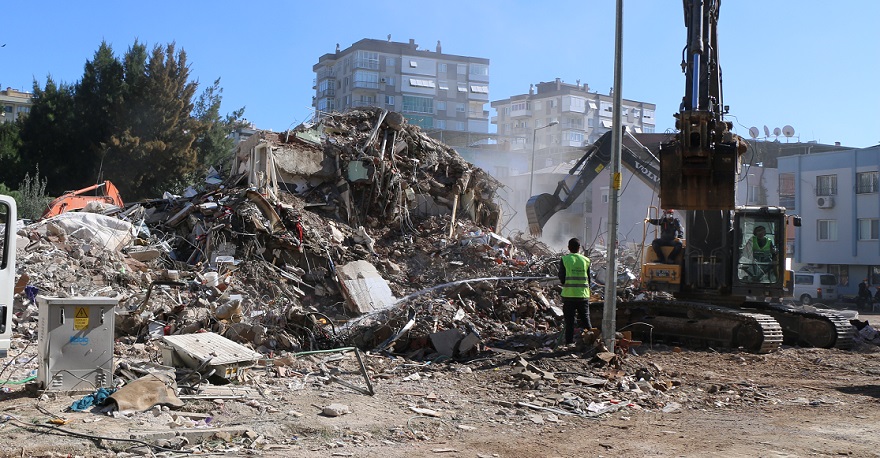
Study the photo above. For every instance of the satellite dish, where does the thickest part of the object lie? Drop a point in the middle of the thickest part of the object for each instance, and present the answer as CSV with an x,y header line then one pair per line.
x,y
766,131
776,131
788,131
754,132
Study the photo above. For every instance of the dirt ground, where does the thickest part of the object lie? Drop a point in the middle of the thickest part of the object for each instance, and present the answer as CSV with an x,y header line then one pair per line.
x,y
660,401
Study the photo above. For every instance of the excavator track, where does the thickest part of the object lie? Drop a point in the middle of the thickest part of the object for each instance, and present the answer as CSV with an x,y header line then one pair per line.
x,y
821,329
700,324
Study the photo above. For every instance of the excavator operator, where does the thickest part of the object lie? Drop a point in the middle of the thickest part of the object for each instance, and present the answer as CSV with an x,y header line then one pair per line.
x,y
670,235
760,253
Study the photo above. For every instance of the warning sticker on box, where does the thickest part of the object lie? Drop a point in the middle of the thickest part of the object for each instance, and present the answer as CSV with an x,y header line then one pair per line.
x,y
81,319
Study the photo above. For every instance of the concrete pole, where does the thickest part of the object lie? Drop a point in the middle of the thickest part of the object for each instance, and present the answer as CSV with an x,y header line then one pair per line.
x,y
609,315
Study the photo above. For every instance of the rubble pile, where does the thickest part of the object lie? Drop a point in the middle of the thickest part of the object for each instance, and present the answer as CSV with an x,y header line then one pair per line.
x,y
376,205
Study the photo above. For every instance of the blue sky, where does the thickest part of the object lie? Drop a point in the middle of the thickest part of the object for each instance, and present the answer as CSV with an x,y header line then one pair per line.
x,y
810,64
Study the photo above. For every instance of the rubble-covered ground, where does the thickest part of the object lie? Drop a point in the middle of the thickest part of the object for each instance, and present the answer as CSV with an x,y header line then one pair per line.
x,y
358,259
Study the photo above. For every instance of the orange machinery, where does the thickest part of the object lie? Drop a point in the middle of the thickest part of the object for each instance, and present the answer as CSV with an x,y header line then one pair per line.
x,y
77,200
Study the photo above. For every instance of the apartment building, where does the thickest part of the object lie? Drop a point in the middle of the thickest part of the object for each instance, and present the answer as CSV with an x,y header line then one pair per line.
x,y
442,93
14,104
837,195
556,118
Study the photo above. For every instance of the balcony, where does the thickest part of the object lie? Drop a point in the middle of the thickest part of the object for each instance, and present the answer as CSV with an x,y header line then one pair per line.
x,y
363,103
326,73
365,85
327,93
368,64
479,114
520,113
494,120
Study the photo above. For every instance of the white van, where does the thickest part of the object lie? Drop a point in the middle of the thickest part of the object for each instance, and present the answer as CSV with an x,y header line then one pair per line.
x,y
810,287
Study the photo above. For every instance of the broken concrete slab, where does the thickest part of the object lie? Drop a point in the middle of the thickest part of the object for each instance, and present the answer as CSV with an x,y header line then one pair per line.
x,y
445,342
364,288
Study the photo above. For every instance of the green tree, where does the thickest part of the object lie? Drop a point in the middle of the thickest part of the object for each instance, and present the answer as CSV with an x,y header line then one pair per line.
x,y
213,145
10,156
156,144
48,136
99,98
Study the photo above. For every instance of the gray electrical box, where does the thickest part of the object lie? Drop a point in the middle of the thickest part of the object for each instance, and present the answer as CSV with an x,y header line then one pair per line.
x,y
75,340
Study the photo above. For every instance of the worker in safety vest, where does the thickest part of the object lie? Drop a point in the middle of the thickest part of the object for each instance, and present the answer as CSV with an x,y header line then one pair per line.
x,y
574,274
760,254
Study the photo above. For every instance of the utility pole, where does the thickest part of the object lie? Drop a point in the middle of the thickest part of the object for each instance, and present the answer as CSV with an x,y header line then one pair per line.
x,y
609,315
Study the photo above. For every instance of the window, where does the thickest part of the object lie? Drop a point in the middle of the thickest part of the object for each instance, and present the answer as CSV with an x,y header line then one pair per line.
x,y
389,100
366,59
479,69
461,69
413,64
869,229
441,68
441,105
841,272
826,230
647,114
591,122
389,81
874,275
575,137
826,185
365,79
440,124
480,89
390,62
605,108
425,122
754,192
519,106
418,104
866,182
443,85
605,193
786,190
459,125
462,87
459,108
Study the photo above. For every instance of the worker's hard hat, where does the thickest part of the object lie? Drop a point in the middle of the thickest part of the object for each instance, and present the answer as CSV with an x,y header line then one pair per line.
x,y
669,211
759,229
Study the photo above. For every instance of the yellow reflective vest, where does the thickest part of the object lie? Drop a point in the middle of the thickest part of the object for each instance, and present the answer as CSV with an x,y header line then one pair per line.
x,y
576,285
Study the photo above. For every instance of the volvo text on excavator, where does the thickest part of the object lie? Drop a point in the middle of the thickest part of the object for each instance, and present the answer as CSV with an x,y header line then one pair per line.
x,y
724,293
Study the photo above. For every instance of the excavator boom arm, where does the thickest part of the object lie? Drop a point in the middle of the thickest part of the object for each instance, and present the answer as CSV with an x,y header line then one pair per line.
x,y
541,207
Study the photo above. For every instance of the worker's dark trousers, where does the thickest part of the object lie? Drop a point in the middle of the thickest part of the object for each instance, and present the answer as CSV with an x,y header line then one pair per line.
x,y
582,308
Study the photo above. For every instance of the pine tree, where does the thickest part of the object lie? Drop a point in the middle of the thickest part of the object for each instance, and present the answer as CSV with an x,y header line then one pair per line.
x,y
213,144
155,146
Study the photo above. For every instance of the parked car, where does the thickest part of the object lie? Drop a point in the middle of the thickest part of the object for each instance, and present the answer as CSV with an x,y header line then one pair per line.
x,y
810,287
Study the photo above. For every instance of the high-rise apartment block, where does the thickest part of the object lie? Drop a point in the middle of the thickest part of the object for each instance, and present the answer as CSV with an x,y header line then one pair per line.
x,y
441,93
582,117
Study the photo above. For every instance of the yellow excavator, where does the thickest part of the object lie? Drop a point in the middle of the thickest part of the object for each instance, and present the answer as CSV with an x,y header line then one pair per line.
x,y
722,295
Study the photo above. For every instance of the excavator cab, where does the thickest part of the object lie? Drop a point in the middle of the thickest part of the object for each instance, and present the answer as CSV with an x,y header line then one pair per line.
x,y
759,252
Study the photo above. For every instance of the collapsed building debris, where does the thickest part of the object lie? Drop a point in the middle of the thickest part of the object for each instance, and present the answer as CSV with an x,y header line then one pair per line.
x,y
315,227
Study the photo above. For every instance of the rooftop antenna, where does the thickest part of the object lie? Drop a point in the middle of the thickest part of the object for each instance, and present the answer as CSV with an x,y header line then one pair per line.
x,y
766,131
754,132
788,131
776,132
